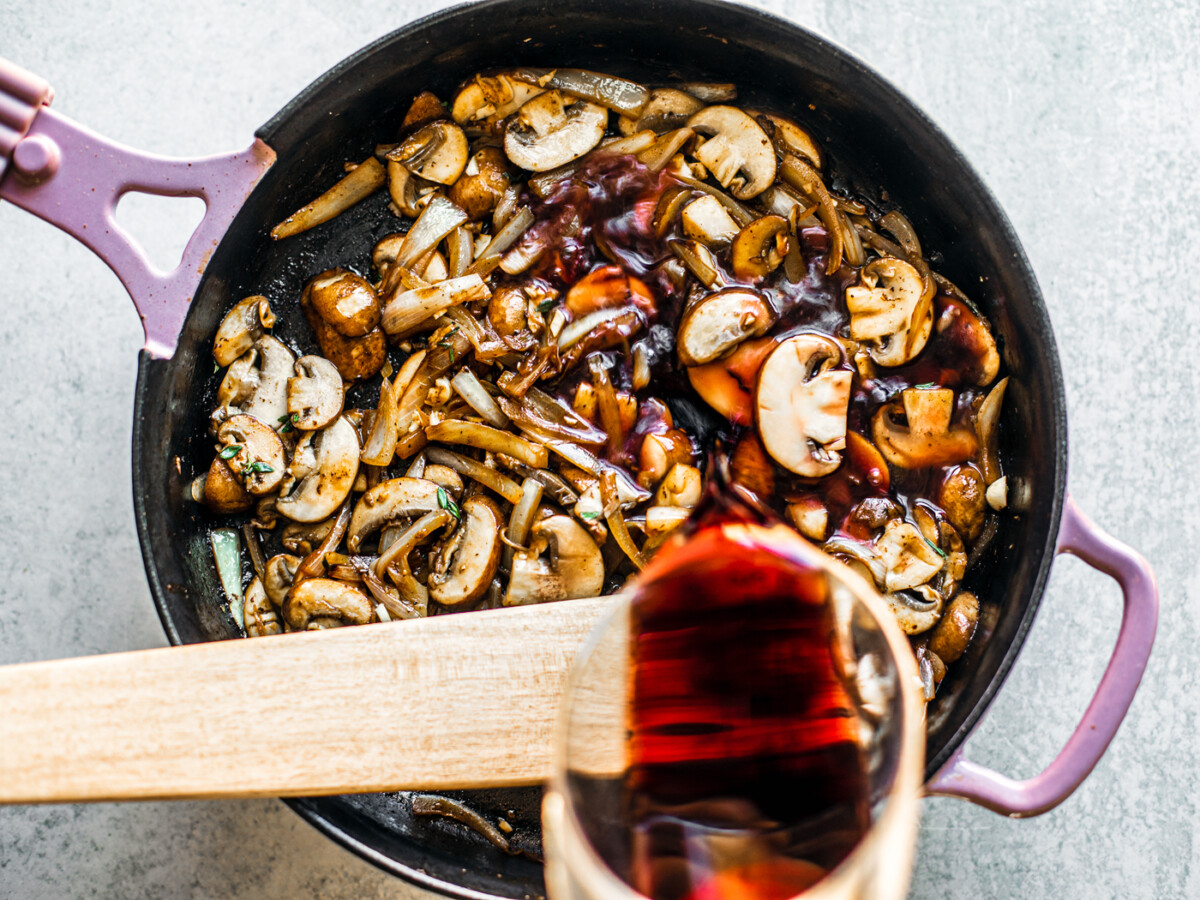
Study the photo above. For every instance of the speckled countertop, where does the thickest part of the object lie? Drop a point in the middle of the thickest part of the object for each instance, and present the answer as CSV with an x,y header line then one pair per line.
x,y
1083,119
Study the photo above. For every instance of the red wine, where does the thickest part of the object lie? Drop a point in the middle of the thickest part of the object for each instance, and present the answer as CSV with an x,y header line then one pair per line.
x,y
746,779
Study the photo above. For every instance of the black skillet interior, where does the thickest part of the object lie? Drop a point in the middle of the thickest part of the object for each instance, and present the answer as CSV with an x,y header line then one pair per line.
x,y
876,140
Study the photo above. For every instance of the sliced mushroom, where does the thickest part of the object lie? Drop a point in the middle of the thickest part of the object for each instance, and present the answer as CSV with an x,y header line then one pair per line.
x,y
561,563
810,516
253,452
680,487
916,611
718,323
727,384
464,565
445,477
666,110
952,634
739,154
315,395
241,327
789,137
489,98
483,182
437,152
258,614
410,193
707,221
220,490
759,248
321,474
553,129
959,327
326,603
891,311
661,452
388,501
909,560
801,405
278,576
346,301
926,437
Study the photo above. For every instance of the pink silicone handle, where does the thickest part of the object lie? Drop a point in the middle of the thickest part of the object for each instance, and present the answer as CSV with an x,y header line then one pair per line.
x,y
1021,799
73,178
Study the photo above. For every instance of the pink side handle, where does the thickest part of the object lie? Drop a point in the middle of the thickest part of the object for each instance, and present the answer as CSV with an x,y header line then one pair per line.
x,y
73,178
1023,799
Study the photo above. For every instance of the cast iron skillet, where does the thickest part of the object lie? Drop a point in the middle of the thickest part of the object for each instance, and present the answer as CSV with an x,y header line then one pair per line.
x,y
876,140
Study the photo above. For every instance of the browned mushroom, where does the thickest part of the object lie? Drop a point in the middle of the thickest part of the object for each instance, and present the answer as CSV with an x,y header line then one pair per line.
x,y
950,637
759,248
916,432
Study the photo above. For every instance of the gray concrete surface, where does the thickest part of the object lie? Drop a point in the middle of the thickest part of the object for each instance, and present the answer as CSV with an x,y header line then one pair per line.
x,y
1083,119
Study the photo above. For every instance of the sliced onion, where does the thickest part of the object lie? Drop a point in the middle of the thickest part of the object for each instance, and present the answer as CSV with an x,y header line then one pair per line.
x,y
471,389
579,329
987,425
487,346
901,229
365,180
485,437
399,549
505,207
530,414
709,92
657,155
380,445
508,235
477,471
524,511
558,489
699,261
436,221
641,366
542,184
407,311
855,255
390,598
254,550
859,552
608,408
313,565
631,145
628,490
461,248
610,499
805,179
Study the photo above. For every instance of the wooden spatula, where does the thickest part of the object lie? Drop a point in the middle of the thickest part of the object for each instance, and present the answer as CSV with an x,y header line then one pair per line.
x,y
442,703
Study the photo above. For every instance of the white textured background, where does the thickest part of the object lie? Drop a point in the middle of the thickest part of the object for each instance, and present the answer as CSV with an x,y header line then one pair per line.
x,y
1083,118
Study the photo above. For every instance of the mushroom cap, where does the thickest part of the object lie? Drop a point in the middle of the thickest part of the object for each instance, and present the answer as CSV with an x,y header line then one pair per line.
x,y
356,358
666,110
326,599
276,363
952,634
562,563
889,310
487,99
553,129
321,474
801,403
224,491
465,563
920,447
278,576
739,154
718,323
259,460
314,396
389,500
437,152
409,192
482,183
346,301
241,327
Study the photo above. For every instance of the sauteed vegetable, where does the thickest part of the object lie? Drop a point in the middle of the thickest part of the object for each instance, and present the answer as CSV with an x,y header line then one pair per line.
x,y
592,283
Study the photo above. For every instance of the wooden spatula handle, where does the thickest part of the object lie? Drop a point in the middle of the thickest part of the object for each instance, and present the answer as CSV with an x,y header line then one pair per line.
x,y
442,703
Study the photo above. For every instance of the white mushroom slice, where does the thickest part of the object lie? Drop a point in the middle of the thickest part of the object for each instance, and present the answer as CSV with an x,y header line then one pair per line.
x,y
396,498
279,575
909,560
662,520
718,323
465,563
889,311
321,474
409,192
810,517
801,402
739,154
326,603
276,364
681,487
253,452
239,384
315,395
707,221
561,563
438,152
553,129
916,611
489,98
241,327
258,613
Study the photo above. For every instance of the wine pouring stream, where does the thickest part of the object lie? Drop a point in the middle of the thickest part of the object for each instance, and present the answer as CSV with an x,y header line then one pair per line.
x,y
745,723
